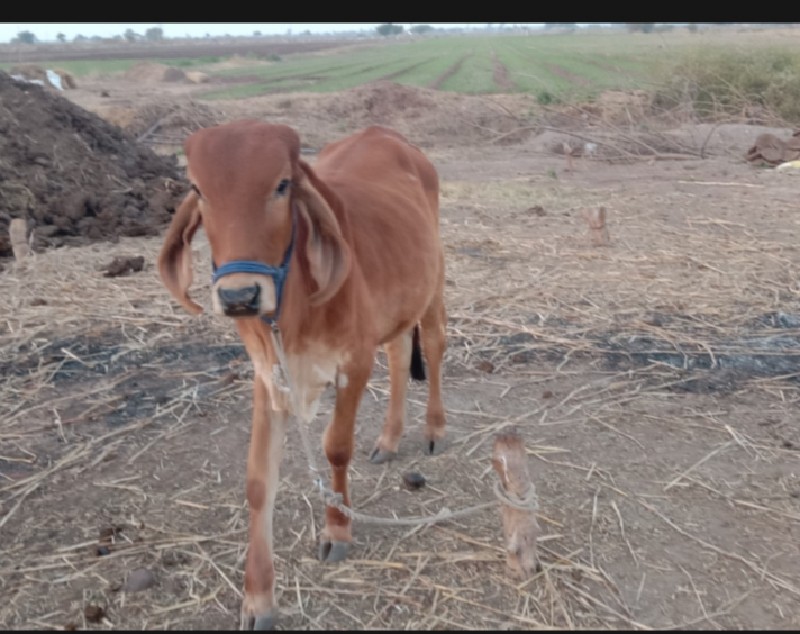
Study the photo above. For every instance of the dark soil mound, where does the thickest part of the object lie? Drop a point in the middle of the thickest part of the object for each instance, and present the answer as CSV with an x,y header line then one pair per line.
x,y
76,178
380,102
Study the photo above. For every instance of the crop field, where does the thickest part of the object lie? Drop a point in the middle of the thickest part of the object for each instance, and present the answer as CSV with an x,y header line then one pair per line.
x,y
567,67
459,64
556,68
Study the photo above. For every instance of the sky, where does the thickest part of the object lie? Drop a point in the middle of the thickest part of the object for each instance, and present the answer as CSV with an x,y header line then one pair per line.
x,y
46,31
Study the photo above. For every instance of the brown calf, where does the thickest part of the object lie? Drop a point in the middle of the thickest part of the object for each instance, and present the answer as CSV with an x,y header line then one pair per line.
x,y
342,258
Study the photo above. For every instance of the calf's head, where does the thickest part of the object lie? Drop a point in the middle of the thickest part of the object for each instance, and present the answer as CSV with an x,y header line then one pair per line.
x,y
265,217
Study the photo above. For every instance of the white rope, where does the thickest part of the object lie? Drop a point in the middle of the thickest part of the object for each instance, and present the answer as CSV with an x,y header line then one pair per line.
x,y
333,499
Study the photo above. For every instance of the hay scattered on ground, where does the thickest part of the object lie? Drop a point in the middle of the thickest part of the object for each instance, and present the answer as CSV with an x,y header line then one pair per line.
x,y
538,303
646,378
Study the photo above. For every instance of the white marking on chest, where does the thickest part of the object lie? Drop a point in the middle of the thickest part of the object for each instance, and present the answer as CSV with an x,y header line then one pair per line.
x,y
309,374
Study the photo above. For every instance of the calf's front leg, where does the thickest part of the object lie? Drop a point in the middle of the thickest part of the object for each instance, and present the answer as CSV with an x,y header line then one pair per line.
x,y
338,441
263,465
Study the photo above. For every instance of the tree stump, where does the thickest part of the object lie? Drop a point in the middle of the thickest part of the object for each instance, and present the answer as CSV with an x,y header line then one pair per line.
x,y
520,528
18,235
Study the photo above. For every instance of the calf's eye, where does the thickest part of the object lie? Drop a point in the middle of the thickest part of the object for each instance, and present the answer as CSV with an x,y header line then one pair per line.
x,y
282,187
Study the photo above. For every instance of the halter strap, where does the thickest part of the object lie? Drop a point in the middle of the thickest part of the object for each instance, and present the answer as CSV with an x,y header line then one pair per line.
x,y
277,273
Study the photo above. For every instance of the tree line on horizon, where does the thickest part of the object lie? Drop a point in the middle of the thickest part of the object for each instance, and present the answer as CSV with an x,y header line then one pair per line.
x,y
156,34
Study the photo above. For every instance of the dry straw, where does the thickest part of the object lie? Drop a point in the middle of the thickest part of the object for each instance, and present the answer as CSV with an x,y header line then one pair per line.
x,y
684,278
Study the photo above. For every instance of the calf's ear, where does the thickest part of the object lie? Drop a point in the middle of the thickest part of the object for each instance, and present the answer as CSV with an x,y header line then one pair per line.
x,y
175,258
327,253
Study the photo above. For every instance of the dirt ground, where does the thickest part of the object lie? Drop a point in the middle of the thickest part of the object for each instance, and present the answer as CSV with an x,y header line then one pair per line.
x,y
653,380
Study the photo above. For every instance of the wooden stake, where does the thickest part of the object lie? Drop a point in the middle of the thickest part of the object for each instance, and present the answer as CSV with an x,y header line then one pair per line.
x,y
520,529
568,150
18,234
598,231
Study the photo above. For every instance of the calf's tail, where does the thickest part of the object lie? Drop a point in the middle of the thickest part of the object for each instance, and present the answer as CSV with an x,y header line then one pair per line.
x,y
417,364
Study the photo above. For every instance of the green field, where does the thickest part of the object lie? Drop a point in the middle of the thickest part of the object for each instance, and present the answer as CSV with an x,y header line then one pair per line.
x,y
555,68
564,65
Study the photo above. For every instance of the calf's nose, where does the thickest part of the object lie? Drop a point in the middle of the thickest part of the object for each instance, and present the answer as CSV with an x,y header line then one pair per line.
x,y
240,302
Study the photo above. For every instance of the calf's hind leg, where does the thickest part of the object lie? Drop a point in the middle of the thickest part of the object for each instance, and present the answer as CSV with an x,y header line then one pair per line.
x,y
434,344
398,351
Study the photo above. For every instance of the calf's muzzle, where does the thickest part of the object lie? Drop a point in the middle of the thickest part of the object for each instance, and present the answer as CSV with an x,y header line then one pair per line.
x,y
240,302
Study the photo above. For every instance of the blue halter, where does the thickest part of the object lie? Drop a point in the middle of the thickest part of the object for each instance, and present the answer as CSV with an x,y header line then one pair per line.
x,y
278,274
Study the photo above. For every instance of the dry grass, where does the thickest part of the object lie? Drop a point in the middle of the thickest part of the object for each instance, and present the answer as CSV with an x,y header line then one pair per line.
x,y
670,277
665,503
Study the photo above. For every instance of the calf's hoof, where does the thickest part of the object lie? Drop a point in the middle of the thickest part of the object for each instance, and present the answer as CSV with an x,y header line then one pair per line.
x,y
332,552
379,456
260,623
434,447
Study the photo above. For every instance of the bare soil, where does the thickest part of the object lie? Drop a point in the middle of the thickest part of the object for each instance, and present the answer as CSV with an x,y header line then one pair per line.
x,y
571,77
447,74
500,75
73,176
654,382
